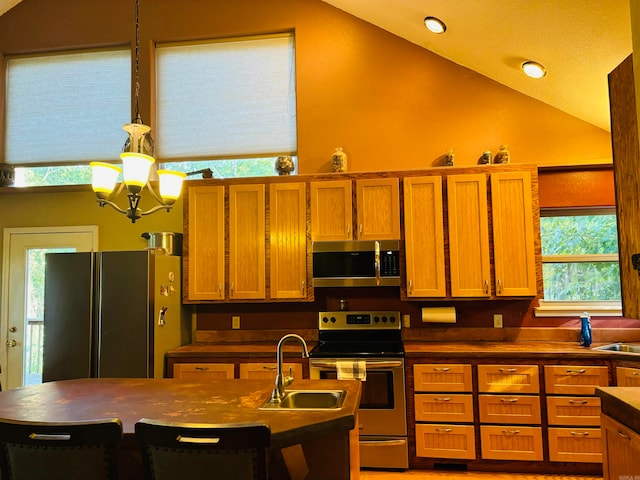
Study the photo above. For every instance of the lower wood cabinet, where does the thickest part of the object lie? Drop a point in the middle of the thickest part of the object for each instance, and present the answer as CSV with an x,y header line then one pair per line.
x,y
204,371
574,445
445,441
621,459
509,409
627,377
511,443
267,371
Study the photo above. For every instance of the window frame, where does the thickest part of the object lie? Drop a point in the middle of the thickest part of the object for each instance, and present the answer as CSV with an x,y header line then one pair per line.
x,y
564,308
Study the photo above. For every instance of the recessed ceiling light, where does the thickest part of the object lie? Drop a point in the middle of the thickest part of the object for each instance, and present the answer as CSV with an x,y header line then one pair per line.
x,y
435,25
533,69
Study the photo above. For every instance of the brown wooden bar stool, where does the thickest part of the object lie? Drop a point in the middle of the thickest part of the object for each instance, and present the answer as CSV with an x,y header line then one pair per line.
x,y
173,451
59,451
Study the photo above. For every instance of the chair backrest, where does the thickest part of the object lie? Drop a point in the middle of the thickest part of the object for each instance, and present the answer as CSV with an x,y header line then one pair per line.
x,y
62,450
191,451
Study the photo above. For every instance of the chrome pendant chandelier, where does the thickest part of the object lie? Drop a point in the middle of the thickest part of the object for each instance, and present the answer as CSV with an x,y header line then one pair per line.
x,y
137,160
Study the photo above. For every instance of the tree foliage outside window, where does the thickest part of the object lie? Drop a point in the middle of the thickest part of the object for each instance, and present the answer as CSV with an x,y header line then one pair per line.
x,y
580,257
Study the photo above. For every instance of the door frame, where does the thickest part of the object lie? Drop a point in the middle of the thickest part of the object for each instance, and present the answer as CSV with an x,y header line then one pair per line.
x,y
10,235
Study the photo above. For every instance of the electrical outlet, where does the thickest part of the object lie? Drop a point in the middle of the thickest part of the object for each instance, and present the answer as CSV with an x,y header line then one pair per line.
x,y
235,322
406,321
497,320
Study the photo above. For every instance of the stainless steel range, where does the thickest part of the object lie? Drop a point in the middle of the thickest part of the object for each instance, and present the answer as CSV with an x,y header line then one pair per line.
x,y
368,346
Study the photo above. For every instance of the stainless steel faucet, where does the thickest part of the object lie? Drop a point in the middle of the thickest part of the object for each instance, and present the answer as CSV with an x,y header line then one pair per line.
x,y
283,380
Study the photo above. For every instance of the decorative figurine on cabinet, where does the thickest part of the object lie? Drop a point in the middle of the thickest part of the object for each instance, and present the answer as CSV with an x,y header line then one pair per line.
x,y
485,158
503,155
449,158
284,165
339,161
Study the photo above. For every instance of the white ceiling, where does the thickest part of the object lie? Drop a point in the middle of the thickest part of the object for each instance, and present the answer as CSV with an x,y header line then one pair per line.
x,y
578,41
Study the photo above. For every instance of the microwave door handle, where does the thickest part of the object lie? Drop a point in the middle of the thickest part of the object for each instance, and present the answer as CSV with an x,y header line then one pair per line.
x,y
377,262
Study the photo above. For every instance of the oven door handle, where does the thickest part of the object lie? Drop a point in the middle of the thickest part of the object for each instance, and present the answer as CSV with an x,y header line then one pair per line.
x,y
388,443
370,364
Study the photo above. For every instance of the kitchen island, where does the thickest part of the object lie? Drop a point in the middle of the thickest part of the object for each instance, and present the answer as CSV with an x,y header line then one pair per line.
x,y
318,440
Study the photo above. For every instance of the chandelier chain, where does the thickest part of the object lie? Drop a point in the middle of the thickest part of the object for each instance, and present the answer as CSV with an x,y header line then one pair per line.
x,y
137,118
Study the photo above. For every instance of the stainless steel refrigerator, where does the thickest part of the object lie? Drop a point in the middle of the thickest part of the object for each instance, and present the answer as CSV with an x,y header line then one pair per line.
x,y
111,314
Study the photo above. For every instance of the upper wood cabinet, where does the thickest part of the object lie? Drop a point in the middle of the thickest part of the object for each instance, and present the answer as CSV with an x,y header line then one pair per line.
x,y
204,265
513,237
247,241
377,210
288,240
424,237
468,235
331,210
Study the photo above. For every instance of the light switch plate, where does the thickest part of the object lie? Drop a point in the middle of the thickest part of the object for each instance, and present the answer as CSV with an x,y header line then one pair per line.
x,y
497,320
235,322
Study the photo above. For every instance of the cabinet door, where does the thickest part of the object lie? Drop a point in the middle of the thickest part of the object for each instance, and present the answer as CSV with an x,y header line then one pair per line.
x,y
424,237
513,240
331,210
267,371
204,264
508,379
288,240
246,242
627,377
621,450
468,235
378,205
203,371
574,379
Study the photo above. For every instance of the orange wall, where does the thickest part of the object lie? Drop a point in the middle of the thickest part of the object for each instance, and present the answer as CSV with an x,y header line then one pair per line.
x,y
389,103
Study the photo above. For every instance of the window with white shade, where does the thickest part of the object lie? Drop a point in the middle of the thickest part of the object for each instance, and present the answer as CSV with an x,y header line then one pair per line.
x,y
233,98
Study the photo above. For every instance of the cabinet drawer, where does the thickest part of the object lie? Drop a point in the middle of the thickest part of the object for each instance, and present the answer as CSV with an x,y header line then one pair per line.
x,y
573,411
509,409
511,443
627,377
445,441
267,371
575,445
575,380
508,378
442,378
444,407
203,371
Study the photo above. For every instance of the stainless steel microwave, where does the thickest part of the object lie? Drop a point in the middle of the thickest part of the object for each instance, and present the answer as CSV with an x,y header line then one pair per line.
x,y
360,263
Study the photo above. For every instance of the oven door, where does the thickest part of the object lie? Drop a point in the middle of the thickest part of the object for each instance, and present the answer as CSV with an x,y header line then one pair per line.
x,y
382,406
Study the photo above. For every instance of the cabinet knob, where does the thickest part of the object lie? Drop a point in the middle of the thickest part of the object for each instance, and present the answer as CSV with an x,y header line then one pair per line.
x,y
302,289
231,290
499,287
486,287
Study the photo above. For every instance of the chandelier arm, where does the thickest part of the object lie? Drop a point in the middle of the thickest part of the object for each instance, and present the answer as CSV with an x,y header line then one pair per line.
x,y
156,208
103,202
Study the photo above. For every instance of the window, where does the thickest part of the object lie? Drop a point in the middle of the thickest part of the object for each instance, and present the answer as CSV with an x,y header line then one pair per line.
x,y
227,99
579,263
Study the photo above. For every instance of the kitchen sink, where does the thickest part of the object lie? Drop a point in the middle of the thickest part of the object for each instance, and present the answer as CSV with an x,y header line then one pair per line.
x,y
308,400
621,347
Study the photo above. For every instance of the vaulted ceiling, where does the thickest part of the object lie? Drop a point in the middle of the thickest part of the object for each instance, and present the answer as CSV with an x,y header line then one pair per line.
x,y
579,42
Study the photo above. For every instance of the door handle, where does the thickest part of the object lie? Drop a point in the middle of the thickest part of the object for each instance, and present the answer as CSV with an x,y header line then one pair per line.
x,y
11,343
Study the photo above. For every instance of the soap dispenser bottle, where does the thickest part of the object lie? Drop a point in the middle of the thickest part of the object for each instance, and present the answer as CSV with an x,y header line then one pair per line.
x,y
585,330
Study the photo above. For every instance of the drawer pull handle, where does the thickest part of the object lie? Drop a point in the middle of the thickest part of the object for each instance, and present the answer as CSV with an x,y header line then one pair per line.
x,y
509,400
444,430
443,399
441,369
577,372
580,434
508,370
486,287
511,432
635,373
202,368
620,434
268,367
578,402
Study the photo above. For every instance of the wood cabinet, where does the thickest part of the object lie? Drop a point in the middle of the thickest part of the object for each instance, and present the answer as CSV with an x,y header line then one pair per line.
x,y
204,265
511,443
508,379
621,450
377,210
288,240
575,379
513,236
203,371
450,432
267,371
247,241
468,235
424,237
627,377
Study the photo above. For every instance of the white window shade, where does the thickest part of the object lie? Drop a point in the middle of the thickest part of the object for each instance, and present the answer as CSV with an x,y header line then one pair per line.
x,y
226,99
67,108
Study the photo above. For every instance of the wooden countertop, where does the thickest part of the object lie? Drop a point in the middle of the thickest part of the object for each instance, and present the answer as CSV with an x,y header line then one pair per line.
x,y
622,404
211,401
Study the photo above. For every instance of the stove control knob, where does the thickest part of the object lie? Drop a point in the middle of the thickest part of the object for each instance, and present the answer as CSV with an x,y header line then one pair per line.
x,y
376,319
384,319
325,320
392,319
333,320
